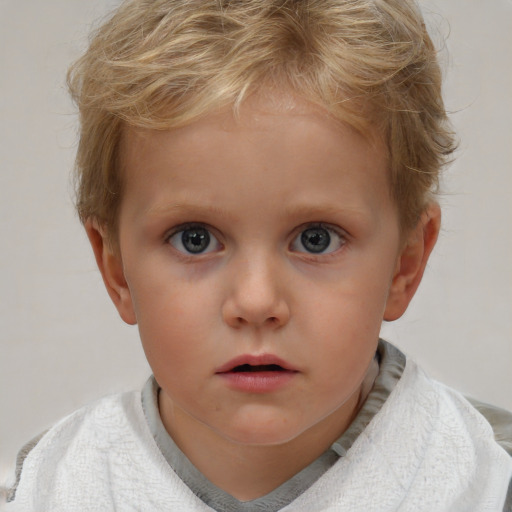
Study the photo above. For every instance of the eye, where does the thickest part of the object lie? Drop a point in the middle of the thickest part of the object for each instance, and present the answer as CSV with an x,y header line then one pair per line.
x,y
194,240
317,239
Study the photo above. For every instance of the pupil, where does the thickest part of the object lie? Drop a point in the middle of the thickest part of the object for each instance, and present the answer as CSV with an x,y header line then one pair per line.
x,y
315,239
195,240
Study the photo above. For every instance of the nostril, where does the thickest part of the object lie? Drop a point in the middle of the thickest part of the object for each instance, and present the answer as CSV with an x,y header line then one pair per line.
x,y
240,312
271,320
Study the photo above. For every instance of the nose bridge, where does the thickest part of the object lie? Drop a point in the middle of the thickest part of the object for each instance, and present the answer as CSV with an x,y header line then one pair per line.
x,y
257,292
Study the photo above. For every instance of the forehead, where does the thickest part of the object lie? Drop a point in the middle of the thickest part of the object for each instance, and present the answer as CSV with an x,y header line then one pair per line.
x,y
269,141
256,114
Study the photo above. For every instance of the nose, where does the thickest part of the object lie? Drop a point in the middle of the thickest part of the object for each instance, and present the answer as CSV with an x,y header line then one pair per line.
x,y
256,295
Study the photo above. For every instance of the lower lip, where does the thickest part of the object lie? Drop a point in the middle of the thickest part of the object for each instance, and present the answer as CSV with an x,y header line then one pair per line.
x,y
258,382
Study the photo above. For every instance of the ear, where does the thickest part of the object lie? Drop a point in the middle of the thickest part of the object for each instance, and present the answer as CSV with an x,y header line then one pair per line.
x,y
111,267
412,261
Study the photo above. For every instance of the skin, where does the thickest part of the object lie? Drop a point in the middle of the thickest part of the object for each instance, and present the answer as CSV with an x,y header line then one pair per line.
x,y
256,183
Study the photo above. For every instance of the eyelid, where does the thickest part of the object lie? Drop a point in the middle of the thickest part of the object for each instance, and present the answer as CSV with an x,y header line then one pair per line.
x,y
189,225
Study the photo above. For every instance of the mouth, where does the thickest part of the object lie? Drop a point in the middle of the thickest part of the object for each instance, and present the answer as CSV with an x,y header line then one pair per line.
x,y
242,368
257,374
259,363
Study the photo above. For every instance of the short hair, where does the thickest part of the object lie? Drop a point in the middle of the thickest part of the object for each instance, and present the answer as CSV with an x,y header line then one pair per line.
x,y
161,64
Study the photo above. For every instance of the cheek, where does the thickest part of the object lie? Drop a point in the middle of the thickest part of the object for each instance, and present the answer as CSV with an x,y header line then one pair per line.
x,y
173,321
343,320
351,303
164,296
346,339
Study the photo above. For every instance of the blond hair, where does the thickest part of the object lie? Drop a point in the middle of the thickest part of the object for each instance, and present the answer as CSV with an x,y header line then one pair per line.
x,y
164,63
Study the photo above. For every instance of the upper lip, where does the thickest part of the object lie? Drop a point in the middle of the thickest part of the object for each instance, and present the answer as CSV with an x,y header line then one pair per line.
x,y
255,360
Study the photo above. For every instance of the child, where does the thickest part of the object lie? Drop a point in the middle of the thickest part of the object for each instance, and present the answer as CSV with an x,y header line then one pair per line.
x,y
256,179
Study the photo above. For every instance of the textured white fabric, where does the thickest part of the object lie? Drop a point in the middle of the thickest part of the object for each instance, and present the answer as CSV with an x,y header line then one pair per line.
x,y
427,450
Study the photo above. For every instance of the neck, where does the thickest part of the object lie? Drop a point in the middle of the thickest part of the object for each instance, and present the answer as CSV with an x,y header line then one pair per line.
x,y
247,472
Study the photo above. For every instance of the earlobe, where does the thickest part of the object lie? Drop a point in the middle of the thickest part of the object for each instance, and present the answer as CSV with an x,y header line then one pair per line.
x,y
412,261
111,267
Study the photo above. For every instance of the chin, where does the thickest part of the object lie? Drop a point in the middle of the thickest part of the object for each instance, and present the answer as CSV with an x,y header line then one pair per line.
x,y
261,432
261,438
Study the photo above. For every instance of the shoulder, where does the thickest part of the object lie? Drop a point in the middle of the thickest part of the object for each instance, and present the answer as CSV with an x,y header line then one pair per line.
x,y
101,455
91,426
454,439
96,422
476,416
487,429
499,419
20,459
501,423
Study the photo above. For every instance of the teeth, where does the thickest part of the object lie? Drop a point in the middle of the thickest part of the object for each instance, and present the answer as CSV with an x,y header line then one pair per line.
x,y
258,368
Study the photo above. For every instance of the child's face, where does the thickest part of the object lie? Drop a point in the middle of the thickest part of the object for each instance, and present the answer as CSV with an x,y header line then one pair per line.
x,y
268,240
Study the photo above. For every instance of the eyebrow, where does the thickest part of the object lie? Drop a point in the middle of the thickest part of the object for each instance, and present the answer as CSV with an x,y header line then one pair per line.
x,y
306,211
190,208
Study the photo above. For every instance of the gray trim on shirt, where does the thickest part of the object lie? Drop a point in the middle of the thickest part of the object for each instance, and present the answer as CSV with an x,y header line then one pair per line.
x,y
500,420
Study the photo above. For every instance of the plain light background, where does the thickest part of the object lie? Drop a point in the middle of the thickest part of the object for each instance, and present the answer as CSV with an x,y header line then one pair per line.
x,y
61,341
